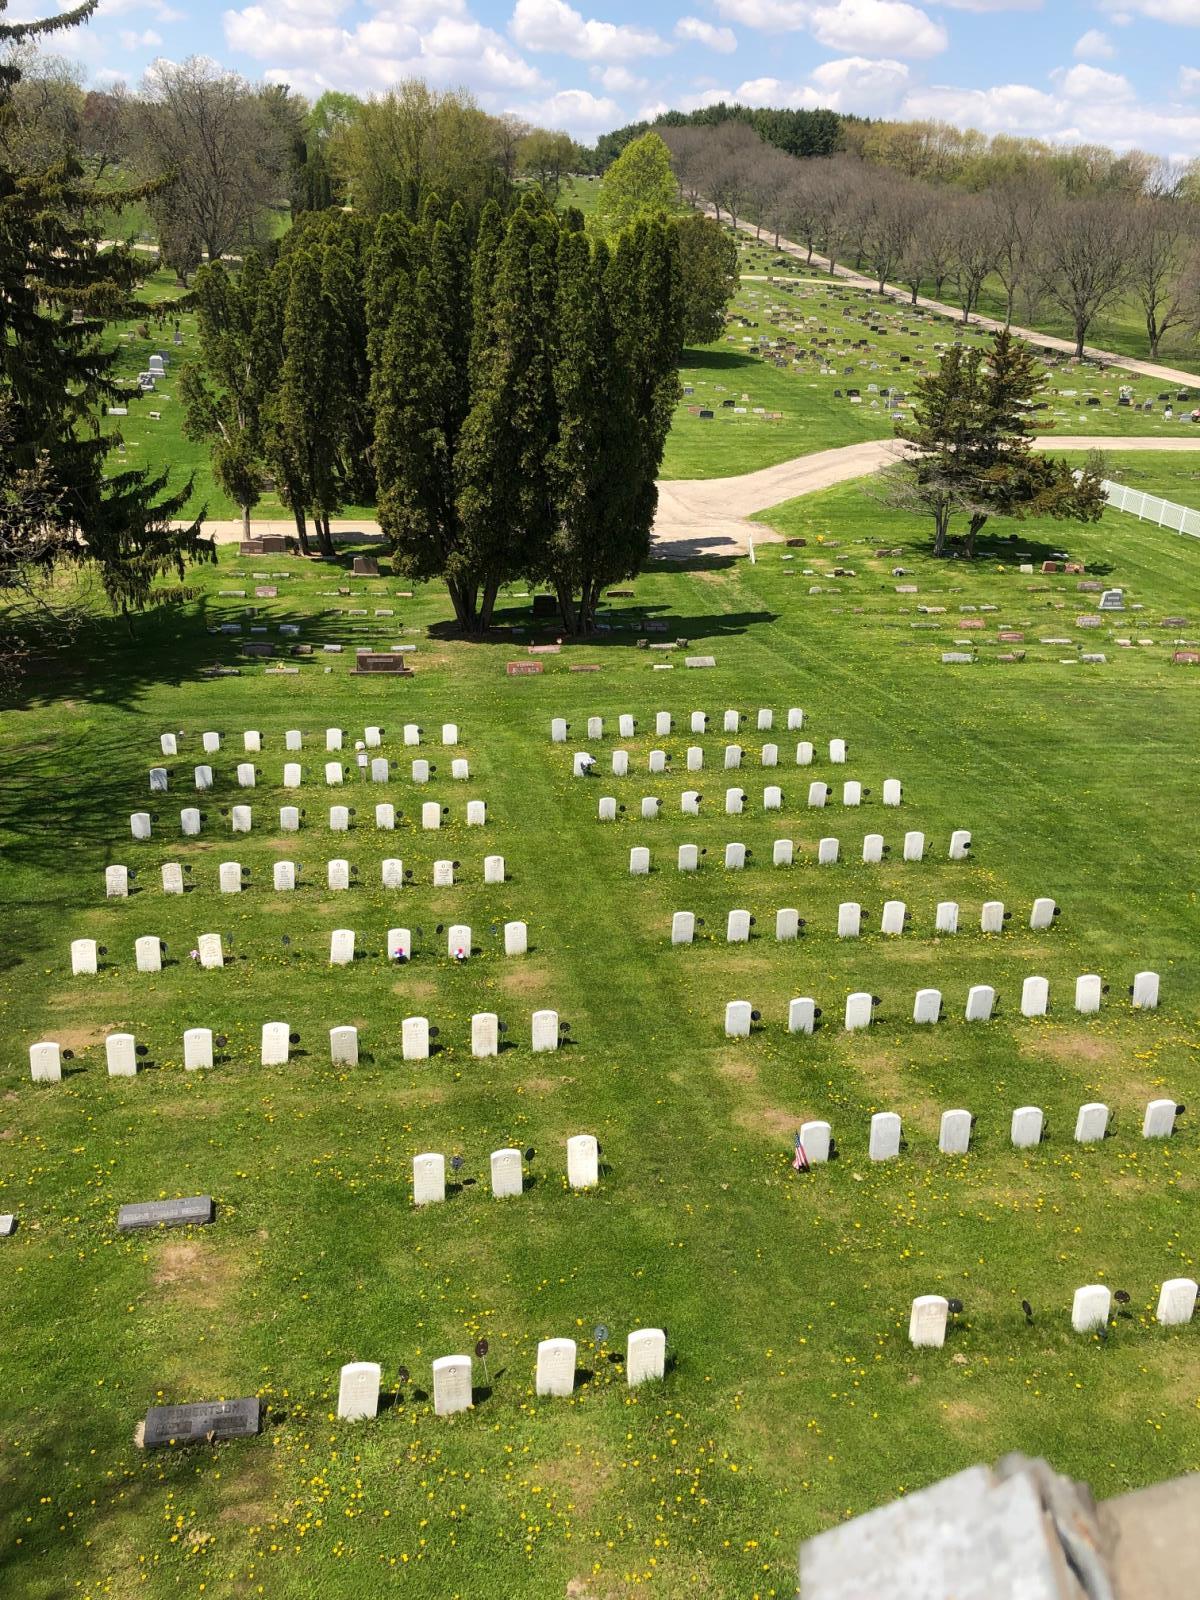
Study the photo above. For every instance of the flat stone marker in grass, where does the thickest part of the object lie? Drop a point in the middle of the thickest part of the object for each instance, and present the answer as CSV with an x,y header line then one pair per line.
x,y
645,1355
508,1174
927,1322
954,1134
197,1049
429,1179
1090,1307
201,1423
451,1385
555,1376
802,1015
1145,991
1159,1121
1176,1302
276,1044
45,1062
544,1030
195,1211
211,950
583,1161
84,954
1091,1124
358,1391
981,998
414,1038
885,1136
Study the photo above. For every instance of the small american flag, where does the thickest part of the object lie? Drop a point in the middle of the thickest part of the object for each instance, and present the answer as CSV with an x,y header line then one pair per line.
x,y
800,1160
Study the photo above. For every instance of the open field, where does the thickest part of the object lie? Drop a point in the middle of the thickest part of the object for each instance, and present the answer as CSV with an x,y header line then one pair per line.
x,y
792,1398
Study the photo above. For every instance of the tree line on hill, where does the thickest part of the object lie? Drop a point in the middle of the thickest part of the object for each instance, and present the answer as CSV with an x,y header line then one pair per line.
x,y
1053,252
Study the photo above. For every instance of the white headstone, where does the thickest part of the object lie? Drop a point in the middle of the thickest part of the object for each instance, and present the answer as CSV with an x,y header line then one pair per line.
x,y
1159,1121
358,1391
420,770
276,1044
285,875
737,927
981,997
412,733
1092,1122
429,1179
787,923
189,821
626,726
210,743
688,858
139,824
947,916
770,755
391,872
558,730
849,923
583,1161
620,763
229,877
293,775
766,720
339,819
1027,1124
735,800
197,1049
414,1038
733,756
245,774
1145,991
960,844
859,1010
927,1007
289,819
1090,1307
1042,915
241,819
399,944
738,1019
252,741
168,744
699,721
818,793
872,852
148,953
121,1052
816,1138
927,1321
837,752
802,1015
852,793
595,727
783,853
485,1035
885,1136
212,954
645,1355
451,1385
892,920
795,718
650,806
689,802
804,754
341,947
1087,993
555,1376
827,852
516,938
772,798
476,813
337,874
431,814
45,1062
379,769
443,874
458,941
954,1138
158,780
544,1030
508,1174
891,791
733,721
607,809
293,739
914,846
333,738
639,860
662,723
204,777
1035,996
695,758
333,772
658,761
991,918
1176,1302
343,1046
683,927
735,857
83,957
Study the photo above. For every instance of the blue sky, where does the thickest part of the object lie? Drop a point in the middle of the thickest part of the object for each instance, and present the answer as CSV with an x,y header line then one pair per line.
x,y
1119,72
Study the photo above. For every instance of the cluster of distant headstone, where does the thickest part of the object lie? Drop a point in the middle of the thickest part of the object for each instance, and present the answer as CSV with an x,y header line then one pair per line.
x,y
1090,1310
894,920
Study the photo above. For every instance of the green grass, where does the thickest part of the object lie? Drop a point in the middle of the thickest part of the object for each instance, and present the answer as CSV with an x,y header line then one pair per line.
x,y
794,1399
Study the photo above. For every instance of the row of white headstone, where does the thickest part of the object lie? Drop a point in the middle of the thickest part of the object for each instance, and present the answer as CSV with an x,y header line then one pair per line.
x,y
379,770
359,1382
231,875
783,853
664,723
660,760
954,1131
293,739
241,818
735,800
507,1171
1090,1310
927,1006
894,920
45,1057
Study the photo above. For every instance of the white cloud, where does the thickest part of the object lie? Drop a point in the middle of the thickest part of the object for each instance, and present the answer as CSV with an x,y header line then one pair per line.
x,y
1083,83
1184,12
857,84
618,80
1094,46
1189,81
993,5
866,27
578,111
146,40
553,25
723,40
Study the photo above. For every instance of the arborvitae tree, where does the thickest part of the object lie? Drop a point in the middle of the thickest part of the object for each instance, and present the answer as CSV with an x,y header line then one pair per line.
x,y
56,380
311,391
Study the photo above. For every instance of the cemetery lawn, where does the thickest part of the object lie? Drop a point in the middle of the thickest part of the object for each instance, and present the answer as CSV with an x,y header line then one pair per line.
x,y
792,1398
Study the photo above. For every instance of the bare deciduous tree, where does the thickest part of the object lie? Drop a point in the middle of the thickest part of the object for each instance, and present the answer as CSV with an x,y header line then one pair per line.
x,y
1161,266
1087,247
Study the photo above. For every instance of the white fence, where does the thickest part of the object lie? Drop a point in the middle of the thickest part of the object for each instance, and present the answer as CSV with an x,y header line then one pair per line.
x,y
1149,508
